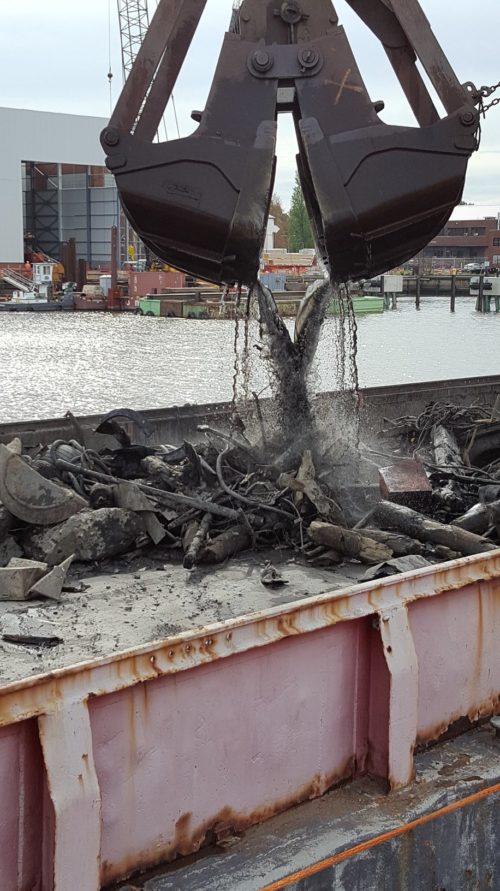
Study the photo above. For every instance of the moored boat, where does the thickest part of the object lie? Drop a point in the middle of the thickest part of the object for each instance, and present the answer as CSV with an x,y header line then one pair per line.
x,y
32,303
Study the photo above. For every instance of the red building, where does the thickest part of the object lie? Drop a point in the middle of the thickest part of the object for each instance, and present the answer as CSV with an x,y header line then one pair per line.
x,y
464,241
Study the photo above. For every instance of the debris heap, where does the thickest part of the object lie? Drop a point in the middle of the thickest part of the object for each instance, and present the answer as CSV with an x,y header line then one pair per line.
x,y
204,502
459,447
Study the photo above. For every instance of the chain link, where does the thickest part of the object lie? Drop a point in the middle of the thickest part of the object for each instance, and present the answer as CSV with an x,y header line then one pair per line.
x,y
485,93
492,104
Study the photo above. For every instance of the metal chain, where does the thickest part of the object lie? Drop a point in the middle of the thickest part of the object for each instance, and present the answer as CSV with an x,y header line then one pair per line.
x,y
485,92
491,104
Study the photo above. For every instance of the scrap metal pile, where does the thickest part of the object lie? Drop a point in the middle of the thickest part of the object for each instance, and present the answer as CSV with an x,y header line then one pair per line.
x,y
458,448
204,502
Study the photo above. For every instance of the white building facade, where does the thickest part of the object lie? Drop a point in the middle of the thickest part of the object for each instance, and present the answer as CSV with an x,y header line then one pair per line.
x,y
53,186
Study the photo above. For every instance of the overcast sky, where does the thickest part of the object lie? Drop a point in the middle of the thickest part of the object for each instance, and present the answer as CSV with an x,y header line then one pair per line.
x,y
55,57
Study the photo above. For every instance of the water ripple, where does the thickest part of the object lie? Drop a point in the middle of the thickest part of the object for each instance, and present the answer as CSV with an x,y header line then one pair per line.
x,y
91,363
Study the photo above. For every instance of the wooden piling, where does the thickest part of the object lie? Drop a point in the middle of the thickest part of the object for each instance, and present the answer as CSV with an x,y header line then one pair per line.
x,y
453,292
418,286
480,296
114,257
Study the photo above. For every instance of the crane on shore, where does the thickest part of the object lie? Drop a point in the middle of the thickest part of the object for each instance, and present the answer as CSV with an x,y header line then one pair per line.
x,y
134,21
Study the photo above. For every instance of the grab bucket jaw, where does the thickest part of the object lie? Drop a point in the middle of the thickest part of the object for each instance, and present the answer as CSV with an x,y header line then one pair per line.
x,y
376,193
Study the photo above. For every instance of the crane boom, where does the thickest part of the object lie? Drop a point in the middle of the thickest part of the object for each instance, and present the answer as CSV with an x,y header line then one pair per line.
x,y
133,20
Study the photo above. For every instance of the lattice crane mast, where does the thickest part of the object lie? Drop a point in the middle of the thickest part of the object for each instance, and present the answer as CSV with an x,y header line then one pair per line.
x,y
133,17
133,20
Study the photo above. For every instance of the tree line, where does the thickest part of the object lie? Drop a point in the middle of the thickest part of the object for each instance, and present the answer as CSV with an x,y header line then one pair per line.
x,y
295,229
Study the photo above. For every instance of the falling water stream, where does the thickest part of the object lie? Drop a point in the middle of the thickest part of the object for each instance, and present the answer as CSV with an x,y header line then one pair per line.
x,y
291,358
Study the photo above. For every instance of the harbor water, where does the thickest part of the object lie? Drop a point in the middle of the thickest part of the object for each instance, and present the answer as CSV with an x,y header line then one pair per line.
x,y
91,363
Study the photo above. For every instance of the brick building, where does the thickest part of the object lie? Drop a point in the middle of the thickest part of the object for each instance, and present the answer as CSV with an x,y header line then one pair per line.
x,y
466,238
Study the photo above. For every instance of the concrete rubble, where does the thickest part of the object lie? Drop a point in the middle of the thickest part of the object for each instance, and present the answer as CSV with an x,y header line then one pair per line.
x,y
18,577
89,536
50,586
23,579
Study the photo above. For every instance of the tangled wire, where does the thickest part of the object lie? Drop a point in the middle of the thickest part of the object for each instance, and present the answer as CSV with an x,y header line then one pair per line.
x,y
469,425
459,420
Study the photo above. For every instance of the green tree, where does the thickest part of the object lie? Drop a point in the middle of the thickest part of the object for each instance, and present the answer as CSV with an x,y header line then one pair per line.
x,y
281,220
299,228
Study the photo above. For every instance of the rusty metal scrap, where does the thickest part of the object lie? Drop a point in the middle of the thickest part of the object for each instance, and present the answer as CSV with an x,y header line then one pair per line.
x,y
406,482
459,447
211,499
31,629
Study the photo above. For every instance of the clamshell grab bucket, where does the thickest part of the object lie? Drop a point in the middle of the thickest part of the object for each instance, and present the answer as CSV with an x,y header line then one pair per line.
x,y
376,193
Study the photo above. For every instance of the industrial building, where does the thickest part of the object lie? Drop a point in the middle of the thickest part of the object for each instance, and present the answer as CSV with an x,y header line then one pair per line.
x,y
55,187
471,235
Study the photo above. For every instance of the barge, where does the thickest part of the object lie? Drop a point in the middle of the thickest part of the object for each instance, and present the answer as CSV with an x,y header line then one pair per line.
x,y
210,305
181,710
32,303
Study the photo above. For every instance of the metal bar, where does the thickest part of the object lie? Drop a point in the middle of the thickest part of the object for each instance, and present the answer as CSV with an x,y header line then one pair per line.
x,y
60,203
66,740
413,86
383,23
315,869
401,659
88,205
176,51
164,30
29,698
421,37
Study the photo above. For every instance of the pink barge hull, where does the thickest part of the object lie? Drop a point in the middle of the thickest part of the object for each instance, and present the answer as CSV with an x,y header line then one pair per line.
x,y
118,764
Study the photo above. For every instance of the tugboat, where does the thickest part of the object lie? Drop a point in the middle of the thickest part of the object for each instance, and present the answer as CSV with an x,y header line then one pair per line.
x,y
33,294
